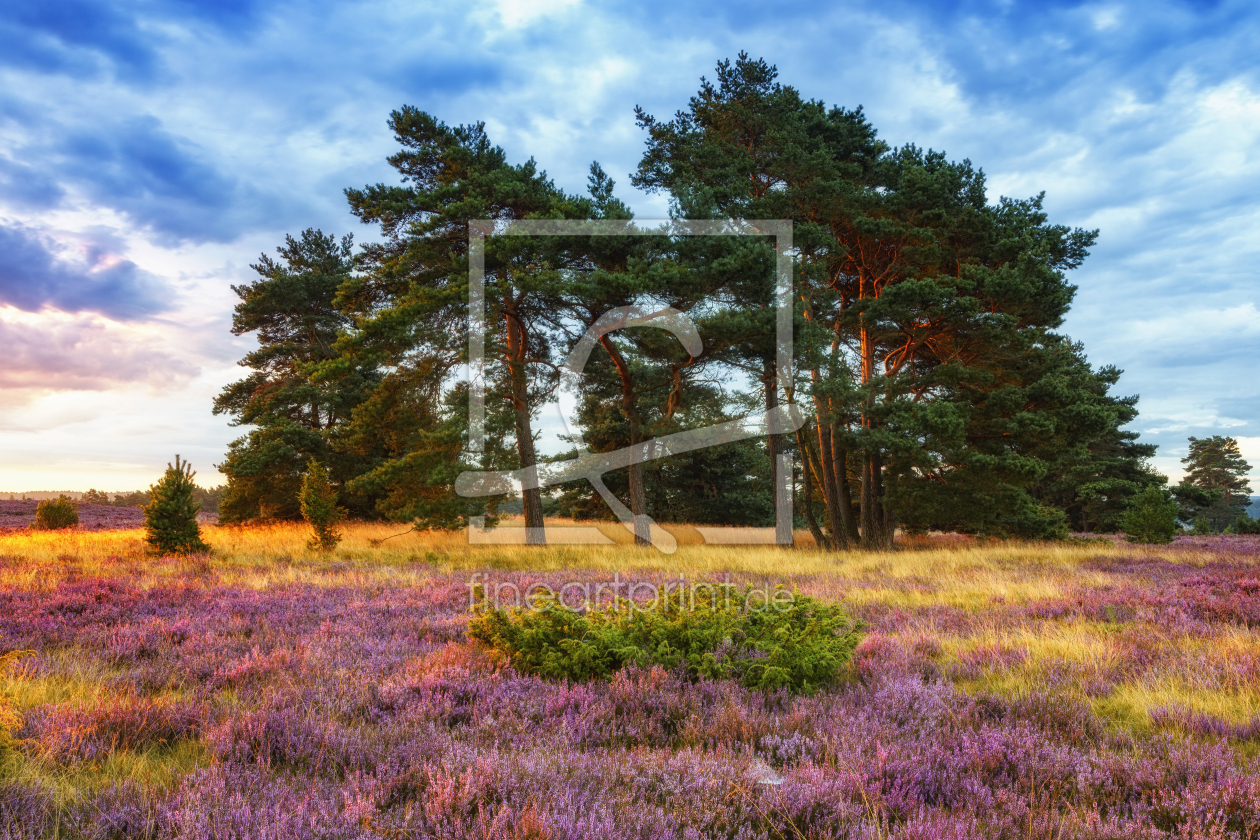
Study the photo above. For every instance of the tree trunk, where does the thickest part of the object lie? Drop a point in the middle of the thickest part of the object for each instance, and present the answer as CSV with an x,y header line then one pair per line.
x,y
840,466
872,519
638,499
869,502
888,524
877,517
807,470
833,475
782,523
531,498
837,488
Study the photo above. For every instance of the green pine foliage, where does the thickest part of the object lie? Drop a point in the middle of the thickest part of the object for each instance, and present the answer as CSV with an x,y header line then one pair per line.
x,y
1151,517
1216,463
292,309
170,517
937,391
726,485
784,641
1202,527
1244,524
55,514
1095,467
410,310
319,507
926,309
1215,489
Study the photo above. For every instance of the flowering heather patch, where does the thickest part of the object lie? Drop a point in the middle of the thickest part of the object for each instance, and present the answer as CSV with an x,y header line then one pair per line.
x,y
21,514
1107,695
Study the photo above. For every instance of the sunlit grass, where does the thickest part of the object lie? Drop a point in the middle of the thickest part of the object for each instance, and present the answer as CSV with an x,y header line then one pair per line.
x,y
154,768
264,555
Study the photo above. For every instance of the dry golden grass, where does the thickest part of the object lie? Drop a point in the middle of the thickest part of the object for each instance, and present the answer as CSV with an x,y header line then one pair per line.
x,y
955,573
922,570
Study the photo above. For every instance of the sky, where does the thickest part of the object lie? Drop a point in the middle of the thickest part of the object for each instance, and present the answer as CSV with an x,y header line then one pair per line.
x,y
150,150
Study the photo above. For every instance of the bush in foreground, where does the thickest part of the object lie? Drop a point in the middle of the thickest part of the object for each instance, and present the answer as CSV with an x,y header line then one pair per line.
x,y
791,641
170,518
319,507
55,514
1151,517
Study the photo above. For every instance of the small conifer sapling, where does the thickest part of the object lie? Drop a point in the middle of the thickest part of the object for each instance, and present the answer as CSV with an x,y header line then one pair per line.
x,y
319,507
170,518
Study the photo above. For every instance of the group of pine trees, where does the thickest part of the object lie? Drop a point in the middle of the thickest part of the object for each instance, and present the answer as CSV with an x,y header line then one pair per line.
x,y
1214,496
937,391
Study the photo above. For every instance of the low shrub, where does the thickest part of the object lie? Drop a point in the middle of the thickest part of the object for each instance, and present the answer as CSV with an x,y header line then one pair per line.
x,y
1151,517
55,514
787,641
1244,524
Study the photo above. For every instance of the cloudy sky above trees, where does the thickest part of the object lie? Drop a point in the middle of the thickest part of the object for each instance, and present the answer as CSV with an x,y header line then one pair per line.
x,y
150,150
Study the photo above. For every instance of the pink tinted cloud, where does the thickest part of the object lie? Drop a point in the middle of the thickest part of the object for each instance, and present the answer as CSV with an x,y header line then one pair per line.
x,y
59,352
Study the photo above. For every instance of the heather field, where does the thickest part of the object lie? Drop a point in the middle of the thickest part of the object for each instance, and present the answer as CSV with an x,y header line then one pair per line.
x,y
18,514
1011,690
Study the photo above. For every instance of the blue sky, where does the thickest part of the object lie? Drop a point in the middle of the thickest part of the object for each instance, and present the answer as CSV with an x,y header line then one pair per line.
x,y
150,150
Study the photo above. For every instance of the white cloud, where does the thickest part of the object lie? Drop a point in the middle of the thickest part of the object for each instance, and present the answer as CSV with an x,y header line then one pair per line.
x,y
517,14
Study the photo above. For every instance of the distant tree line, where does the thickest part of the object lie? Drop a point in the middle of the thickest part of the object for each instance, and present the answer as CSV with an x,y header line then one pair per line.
x,y
937,391
205,499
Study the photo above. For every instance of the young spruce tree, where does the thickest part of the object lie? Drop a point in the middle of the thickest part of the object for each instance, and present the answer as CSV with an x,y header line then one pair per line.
x,y
319,507
170,518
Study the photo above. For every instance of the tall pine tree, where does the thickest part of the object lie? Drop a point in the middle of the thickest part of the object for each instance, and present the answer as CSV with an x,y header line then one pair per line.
x,y
1215,488
292,308
410,310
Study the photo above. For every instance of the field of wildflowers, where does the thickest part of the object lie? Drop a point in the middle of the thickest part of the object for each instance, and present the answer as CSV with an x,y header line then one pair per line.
x,y
1092,689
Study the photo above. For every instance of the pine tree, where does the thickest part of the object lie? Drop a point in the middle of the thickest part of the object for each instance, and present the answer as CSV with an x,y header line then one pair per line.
x,y
1244,524
1096,467
411,310
292,308
319,507
1215,489
919,298
725,485
55,514
170,518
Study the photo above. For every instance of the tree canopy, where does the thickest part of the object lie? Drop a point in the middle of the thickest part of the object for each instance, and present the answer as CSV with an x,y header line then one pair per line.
x,y
938,392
